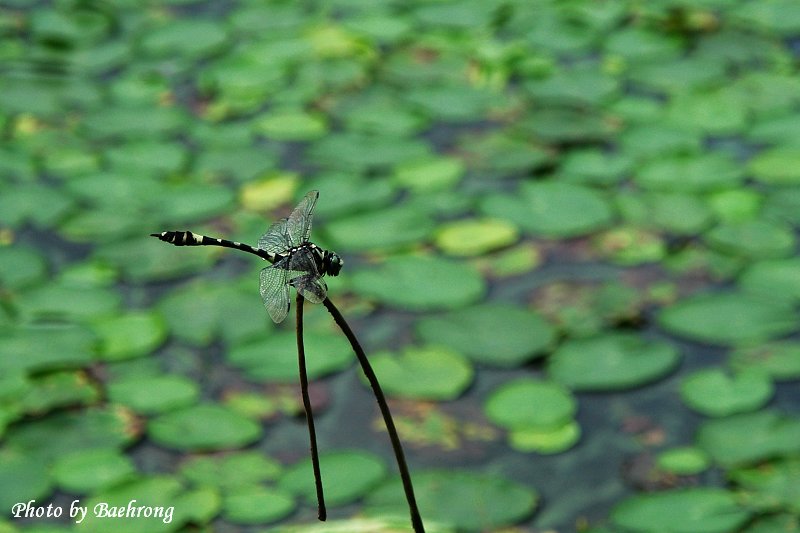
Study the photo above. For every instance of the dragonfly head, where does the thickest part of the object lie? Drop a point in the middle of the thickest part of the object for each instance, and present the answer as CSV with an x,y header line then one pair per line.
x,y
332,263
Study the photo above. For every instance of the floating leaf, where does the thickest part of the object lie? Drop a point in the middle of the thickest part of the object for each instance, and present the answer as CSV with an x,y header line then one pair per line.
x,y
349,475
420,283
780,360
23,477
427,373
202,428
58,389
703,510
153,394
82,471
748,438
516,335
475,237
775,278
274,358
188,38
465,500
771,486
777,166
549,440
728,318
20,267
233,470
39,348
390,228
685,461
691,174
528,403
552,209
713,392
753,238
611,362
130,335
256,505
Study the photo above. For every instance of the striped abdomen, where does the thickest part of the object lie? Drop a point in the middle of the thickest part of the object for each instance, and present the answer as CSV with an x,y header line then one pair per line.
x,y
187,238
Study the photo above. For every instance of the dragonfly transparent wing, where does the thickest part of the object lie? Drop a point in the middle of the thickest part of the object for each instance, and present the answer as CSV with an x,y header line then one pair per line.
x,y
274,291
299,222
276,239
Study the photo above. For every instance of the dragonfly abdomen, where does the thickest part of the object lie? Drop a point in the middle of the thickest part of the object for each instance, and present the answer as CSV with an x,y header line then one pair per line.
x,y
187,238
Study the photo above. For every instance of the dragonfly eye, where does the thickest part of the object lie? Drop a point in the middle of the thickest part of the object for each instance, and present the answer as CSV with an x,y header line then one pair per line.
x,y
333,263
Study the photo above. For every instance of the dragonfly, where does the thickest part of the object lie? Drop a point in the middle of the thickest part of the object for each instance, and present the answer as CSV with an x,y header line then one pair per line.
x,y
295,261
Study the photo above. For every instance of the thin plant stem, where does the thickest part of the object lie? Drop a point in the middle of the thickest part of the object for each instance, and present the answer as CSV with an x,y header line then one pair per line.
x,y
312,434
405,476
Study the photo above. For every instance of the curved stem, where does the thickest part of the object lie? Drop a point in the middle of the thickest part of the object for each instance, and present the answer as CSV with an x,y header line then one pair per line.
x,y
312,434
416,519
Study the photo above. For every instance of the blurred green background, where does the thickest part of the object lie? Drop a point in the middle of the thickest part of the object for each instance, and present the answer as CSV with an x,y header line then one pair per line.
x,y
569,231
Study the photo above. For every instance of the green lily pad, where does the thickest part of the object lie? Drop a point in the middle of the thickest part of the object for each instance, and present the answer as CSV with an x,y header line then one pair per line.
x,y
256,505
772,486
678,213
23,477
37,348
68,302
552,209
82,471
475,236
347,476
20,267
420,283
777,166
716,112
774,278
713,392
391,228
750,437
190,38
529,403
702,510
291,125
357,152
153,394
500,152
58,389
545,440
426,373
429,174
158,492
203,427
517,335
595,167
780,359
753,238
683,461
229,471
274,358
468,501
130,335
148,157
691,174
611,362
728,318
65,432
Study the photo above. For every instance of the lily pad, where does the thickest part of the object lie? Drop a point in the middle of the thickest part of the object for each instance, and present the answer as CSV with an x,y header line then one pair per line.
x,y
153,394
39,348
728,318
82,471
529,403
611,362
713,392
703,510
747,438
552,209
774,278
189,38
386,229
233,470
691,174
23,477
777,166
203,427
58,389
256,505
420,283
515,335
348,476
274,358
753,238
771,486
20,266
780,359
547,441
468,501
683,461
130,335
475,237
426,373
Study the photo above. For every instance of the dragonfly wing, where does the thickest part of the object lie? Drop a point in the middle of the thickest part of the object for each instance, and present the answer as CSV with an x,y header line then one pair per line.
x,y
299,222
276,239
313,289
274,291
305,276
